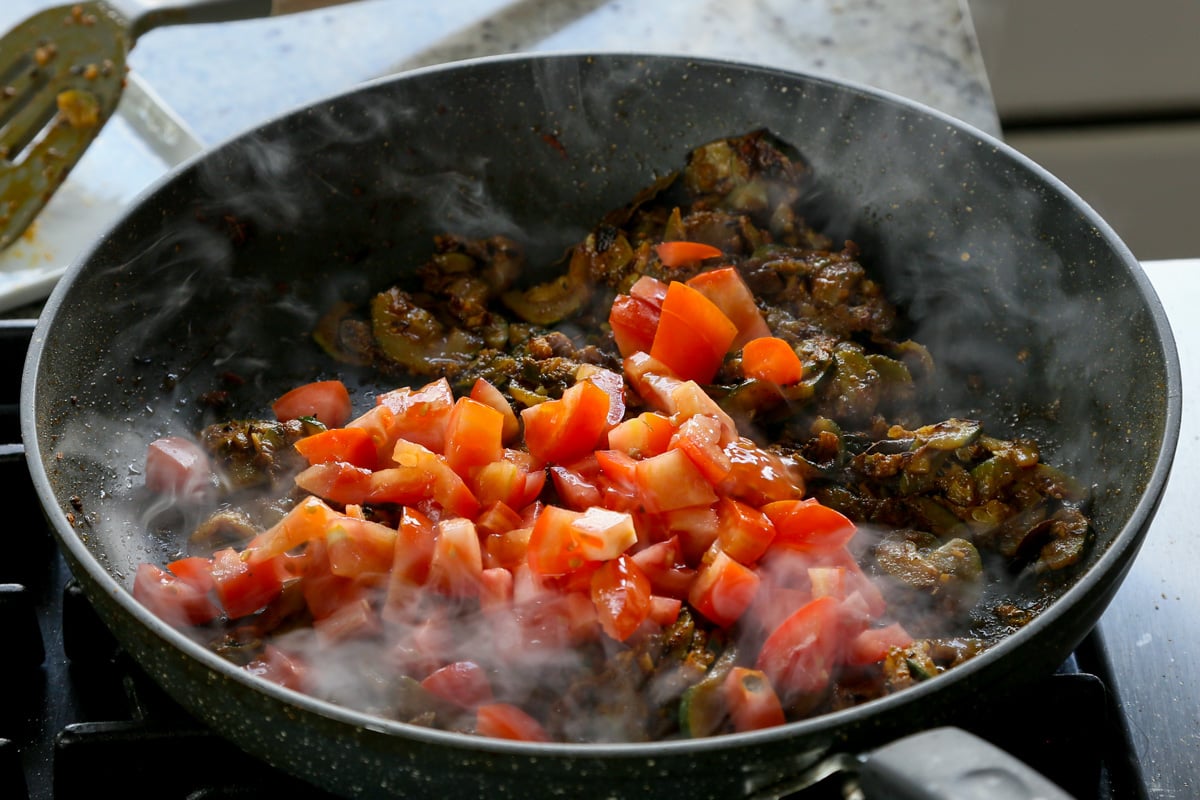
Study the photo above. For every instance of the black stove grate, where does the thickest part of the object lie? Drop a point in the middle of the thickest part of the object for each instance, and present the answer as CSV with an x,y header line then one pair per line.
x,y
77,713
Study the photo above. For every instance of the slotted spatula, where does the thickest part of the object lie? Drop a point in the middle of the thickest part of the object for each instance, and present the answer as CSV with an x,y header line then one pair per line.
x,y
61,74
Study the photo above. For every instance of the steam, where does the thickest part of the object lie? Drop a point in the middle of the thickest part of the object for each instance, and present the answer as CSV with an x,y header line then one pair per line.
x,y
254,242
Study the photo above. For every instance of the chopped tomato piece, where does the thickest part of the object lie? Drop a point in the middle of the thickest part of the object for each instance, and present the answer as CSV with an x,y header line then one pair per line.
x,y
178,466
745,532
685,254
621,595
349,445
463,683
446,487
875,644
308,520
193,570
508,549
279,667
380,424
751,700
799,656
353,619
457,558
327,401
664,610
612,384
670,480
603,534
506,721
723,590
757,476
689,399
554,545
565,430
633,322
338,482
421,415
474,436
495,588
358,546
243,587
769,358
172,599
486,392
808,525
725,287
662,562
650,289
699,437
647,434
576,485
693,334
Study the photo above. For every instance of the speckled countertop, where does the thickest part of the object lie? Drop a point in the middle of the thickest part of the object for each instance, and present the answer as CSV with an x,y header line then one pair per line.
x,y
195,86
223,79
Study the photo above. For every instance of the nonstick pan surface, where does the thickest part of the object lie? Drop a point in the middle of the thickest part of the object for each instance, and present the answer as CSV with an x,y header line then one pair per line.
x,y
1020,290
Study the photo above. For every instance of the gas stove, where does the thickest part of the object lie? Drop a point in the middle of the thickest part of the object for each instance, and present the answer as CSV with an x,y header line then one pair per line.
x,y
75,710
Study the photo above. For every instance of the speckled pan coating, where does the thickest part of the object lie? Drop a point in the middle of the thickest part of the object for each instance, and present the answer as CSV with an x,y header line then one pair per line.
x,y
225,264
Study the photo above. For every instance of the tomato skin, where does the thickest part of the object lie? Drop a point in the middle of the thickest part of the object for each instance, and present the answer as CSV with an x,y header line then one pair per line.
x,y
621,594
179,467
799,656
565,430
769,358
726,289
723,589
486,392
875,644
349,445
809,526
757,476
243,587
693,334
463,683
633,322
682,254
506,721
745,533
172,599
751,700
328,401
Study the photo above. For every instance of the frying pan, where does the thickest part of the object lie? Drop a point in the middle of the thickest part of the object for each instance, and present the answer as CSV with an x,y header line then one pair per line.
x,y
1041,321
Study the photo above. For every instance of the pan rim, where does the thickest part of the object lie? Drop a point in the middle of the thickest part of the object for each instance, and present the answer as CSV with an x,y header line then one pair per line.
x,y
1122,547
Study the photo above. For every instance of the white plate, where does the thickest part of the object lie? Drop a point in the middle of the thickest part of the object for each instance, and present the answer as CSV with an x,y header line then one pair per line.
x,y
139,144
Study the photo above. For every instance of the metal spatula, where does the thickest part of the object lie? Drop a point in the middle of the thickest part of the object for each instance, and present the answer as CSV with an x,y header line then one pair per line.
x,y
61,75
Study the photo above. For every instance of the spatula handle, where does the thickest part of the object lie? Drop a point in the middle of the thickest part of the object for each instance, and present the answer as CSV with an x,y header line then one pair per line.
x,y
145,15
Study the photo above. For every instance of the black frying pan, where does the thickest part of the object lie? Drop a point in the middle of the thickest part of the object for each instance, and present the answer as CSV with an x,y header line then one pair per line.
x,y
226,265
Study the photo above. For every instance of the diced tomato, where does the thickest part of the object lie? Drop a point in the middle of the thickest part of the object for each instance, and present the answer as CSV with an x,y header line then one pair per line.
x,y
497,518
827,582
278,667
612,384
751,700
725,287
308,520
685,254
457,558
421,415
354,619
446,487
179,467
511,481
565,430
875,644
486,392
553,544
474,436
633,322
757,476
495,588
689,399
647,434
650,289
243,587
506,721
800,655
603,534
508,549
693,334
463,683
357,547
807,525
327,401
576,485
348,445
338,482
699,437
670,480
662,562
617,468
380,425
664,610
745,532
621,595
194,571
172,599
723,589
696,528
653,381
769,358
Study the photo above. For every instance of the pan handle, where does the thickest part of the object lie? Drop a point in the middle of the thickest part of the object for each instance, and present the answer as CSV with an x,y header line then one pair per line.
x,y
145,15
950,764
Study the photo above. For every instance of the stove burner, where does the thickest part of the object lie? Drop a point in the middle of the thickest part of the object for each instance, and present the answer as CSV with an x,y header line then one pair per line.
x,y
75,709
